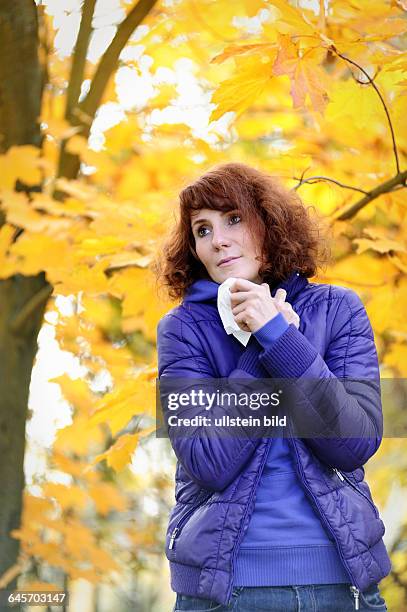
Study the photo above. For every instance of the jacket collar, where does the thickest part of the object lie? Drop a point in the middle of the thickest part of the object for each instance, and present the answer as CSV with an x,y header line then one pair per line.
x,y
204,290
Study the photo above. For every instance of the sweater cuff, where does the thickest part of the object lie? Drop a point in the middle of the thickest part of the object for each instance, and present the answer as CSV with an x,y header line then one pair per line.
x,y
271,331
289,356
249,360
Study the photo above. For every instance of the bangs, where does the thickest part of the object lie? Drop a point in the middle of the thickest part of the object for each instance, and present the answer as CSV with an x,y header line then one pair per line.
x,y
207,195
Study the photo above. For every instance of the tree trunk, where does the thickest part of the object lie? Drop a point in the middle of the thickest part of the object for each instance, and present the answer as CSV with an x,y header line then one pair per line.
x,y
18,352
22,299
20,74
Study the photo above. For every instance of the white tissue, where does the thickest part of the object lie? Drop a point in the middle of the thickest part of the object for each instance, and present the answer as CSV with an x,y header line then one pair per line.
x,y
226,315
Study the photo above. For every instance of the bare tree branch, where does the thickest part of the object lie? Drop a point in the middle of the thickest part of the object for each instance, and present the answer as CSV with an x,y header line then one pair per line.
x,y
386,187
318,179
373,84
79,57
84,113
109,60
399,181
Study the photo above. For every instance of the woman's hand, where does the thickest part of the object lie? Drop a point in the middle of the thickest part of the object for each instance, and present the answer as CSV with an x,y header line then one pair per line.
x,y
253,306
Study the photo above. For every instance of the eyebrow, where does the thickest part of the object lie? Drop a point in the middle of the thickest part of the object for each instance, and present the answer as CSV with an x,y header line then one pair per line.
x,y
207,221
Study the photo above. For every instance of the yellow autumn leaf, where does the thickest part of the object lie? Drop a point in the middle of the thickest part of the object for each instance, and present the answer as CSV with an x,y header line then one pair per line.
x,y
233,50
122,136
20,163
71,278
35,507
116,408
107,497
293,20
165,94
361,272
259,123
37,252
96,311
378,27
142,305
70,496
79,437
386,309
96,246
244,88
128,259
21,213
76,189
76,392
118,456
102,561
73,466
71,207
345,98
381,246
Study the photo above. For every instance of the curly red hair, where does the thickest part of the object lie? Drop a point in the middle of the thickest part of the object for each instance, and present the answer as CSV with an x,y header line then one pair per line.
x,y
291,238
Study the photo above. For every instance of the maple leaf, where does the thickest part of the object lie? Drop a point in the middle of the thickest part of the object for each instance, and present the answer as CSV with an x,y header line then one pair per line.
x,y
119,454
245,87
306,76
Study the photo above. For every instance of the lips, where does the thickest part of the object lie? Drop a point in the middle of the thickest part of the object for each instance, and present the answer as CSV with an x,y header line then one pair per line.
x,y
228,260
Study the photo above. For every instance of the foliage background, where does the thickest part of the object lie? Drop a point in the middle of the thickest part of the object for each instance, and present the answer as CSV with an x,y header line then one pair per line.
x,y
135,101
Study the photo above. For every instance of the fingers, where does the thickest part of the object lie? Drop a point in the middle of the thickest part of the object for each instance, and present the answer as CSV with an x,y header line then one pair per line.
x,y
240,320
242,284
238,297
238,308
243,289
281,295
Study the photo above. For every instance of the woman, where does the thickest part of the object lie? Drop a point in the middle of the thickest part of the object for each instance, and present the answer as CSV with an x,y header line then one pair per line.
x,y
269,523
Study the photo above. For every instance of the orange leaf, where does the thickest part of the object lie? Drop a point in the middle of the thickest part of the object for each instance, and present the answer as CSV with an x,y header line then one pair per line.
x,y
305,74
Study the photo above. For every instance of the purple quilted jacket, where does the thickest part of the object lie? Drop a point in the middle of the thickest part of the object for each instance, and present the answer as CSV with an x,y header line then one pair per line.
x,y
216,478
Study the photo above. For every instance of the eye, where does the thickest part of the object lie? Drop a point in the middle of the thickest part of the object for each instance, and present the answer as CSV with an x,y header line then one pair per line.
x,y
202,227
233,220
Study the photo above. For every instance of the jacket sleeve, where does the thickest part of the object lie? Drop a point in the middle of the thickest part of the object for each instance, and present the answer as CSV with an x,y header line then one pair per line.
x,y
338,397
213,462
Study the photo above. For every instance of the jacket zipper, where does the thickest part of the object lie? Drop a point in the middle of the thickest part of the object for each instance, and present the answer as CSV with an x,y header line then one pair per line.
x,y
178,528
354,590
240,536
342,477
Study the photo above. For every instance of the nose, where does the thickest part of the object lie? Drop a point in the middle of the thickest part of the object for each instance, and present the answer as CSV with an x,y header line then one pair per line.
x,y
219,239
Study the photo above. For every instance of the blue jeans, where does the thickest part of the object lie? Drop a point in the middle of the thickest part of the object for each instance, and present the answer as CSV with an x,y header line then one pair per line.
x,y
310,598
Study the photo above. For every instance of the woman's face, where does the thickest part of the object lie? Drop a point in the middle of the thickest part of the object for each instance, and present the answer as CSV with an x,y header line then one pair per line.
x,y
224,245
